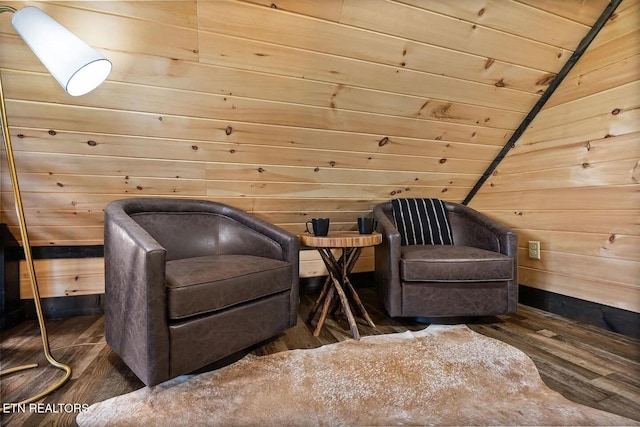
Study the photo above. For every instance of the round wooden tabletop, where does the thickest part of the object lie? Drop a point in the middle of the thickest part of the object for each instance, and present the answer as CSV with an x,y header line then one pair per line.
x,y
341,239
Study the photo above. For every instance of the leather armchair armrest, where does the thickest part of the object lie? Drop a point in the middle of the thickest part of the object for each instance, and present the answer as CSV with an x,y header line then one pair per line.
x,y
478,230
387,261
135,298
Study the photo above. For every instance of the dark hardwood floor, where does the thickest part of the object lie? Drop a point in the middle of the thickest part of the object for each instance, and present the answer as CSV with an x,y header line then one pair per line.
x,y
584,363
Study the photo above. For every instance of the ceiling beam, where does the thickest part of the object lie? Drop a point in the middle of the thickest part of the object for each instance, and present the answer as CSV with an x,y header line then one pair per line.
x,y
582,47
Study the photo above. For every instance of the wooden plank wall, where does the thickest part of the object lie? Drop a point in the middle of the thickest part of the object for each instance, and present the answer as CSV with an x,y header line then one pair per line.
x,y
573,180
289,109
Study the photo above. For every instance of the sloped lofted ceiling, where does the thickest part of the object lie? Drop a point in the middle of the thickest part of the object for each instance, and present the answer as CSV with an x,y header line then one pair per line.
x,y
290,109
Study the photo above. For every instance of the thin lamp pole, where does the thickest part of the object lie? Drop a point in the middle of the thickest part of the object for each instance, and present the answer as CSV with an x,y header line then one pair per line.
x,y
29,259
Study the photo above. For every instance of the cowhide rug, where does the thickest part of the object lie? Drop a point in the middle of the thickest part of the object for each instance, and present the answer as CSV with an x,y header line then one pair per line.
x,y
442,375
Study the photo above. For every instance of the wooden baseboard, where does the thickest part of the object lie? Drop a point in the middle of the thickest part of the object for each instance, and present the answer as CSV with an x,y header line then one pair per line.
x,y
61,307
610,318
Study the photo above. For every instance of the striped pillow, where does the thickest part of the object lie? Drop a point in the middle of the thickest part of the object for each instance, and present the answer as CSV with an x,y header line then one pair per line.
x,y
422,222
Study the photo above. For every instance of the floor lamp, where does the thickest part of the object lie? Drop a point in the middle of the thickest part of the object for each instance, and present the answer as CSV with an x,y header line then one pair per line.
x,y
79,69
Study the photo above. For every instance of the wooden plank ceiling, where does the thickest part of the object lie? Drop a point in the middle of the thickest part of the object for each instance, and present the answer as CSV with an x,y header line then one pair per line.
x,y
287,108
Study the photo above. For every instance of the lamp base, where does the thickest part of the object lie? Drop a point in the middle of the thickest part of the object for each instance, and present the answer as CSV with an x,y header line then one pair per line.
x,y
6,407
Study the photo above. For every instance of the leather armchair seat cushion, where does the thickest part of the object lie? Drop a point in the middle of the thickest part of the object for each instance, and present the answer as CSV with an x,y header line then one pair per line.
x,y
444,263
207,284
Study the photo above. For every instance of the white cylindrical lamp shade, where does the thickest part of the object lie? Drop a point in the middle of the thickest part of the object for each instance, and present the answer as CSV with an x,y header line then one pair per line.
x,y
75,65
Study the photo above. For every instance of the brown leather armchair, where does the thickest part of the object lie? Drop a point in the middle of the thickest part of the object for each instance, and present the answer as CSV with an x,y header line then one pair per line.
x,y
189,282
476,276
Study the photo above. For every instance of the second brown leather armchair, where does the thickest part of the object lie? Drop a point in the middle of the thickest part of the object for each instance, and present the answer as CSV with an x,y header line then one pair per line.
x,y
476,276
189,282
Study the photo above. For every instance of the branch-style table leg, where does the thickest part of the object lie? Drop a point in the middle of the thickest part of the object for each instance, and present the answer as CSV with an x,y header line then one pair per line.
x,y
356,299
339,270
325,309
351,255
334,268
323,294
337,288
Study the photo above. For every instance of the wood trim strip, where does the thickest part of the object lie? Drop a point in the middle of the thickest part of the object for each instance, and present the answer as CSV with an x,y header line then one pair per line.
x,y
63,252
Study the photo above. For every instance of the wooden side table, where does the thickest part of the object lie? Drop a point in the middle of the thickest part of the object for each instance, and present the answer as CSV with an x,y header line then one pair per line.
x,y
338,286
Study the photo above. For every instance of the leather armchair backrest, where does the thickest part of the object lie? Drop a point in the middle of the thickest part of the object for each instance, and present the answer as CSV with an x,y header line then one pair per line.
x,y
466,231
191,228
457,223
182,234
194,234
469,228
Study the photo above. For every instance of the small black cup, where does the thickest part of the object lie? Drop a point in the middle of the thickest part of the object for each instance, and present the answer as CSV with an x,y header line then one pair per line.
x,y
320,226
366,225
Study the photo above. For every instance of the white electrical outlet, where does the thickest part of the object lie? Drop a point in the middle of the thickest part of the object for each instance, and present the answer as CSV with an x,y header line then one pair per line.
x,y
534,249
